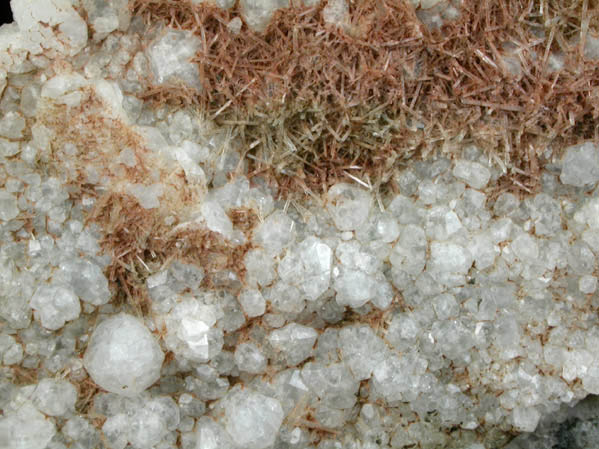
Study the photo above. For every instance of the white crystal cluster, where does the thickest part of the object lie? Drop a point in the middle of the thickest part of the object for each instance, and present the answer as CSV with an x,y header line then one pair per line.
x,y
444,313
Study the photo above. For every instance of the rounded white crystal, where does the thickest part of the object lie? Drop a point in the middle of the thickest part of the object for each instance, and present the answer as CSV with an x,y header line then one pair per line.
x,y
56,304
122,356
253,420
349,206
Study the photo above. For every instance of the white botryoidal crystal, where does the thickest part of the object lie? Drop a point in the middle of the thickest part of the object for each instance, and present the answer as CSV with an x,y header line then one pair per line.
x,y
191,332
580,165
123,356
348,205
25,428
56,304
294,341
253,419
55,397
170,57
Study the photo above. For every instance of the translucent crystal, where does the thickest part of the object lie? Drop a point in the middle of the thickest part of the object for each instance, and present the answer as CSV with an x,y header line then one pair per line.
x,y
257,13
348,205
294,341
151,422
275,233
55,397
253,419
447,257
334,384
107,16
25,428
210,434
409,253
526,419
170,58
147,196
336,12
362,350
8,206
580,165
249,358
122,356
308,267
587,284
10,351
191,332
56,304
252,302
86,280
472,173
53,24
12,125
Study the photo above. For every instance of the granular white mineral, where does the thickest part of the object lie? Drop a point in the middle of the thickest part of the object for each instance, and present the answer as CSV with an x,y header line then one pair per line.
x,y
122,356
440,313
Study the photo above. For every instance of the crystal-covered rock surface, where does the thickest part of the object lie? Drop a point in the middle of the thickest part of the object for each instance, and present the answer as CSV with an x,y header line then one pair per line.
x,y
161,289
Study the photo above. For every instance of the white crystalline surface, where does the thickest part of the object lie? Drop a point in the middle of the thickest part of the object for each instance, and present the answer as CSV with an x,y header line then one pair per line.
x,y
225,315
25,428
170,56
191,332
581,165
122,356
56,304
253,419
